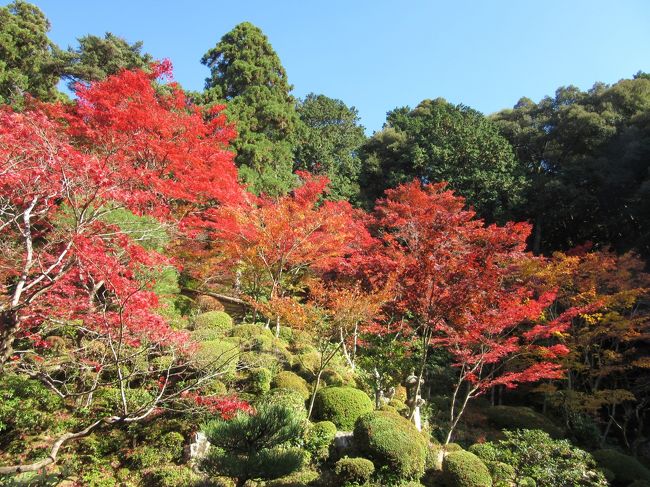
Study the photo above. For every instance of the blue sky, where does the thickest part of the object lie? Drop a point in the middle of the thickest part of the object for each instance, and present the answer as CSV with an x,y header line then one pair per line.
x,y
377,55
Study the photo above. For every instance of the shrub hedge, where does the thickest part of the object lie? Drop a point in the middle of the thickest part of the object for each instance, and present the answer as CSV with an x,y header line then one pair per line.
x,y
341,405
392,441
464,469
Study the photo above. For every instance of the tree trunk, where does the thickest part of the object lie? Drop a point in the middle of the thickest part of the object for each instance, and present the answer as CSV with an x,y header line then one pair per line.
x,y
537,237
8,328
313,392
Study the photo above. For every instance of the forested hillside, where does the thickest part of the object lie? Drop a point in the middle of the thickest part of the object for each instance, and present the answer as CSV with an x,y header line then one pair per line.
x,y
235,287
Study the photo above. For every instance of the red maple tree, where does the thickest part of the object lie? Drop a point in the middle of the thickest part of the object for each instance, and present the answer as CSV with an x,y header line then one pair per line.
x,y
126,144
456,289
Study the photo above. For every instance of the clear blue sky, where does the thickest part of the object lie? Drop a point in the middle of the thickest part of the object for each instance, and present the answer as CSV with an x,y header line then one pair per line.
x,y
380,54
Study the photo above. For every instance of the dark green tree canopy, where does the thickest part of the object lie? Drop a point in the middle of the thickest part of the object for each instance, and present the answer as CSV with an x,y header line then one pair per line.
x,y
98,57
246,73
29,61
587,155
438,141
330,142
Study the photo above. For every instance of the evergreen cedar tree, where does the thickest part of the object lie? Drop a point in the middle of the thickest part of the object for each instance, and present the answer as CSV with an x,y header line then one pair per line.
x,y
124,144
247,75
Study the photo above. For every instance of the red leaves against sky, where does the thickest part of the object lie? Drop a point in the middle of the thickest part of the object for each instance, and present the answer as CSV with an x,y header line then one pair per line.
x,y
126,142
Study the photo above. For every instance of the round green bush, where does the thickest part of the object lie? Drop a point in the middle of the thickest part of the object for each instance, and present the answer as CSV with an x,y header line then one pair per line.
x,y
289,380
254,360
503,475
285,397
332,378
213,320
511,417
354,470
260,380
341,405
217,355
392,441
527,482
318,438
626,469
307,364
464,469
206,335
248,331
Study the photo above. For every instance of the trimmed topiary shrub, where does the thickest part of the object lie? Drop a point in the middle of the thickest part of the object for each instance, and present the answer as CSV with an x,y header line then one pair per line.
x,y
213,320
296,479
511,417
625,468
332,378
289,380
464,469
319,438
260,380
355,471
307,364
392,441
341,405
216,355
503,475
436,452
248,331
255,360
285,397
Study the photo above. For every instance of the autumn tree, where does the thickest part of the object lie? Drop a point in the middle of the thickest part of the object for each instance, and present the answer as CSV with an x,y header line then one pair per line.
x,y
76,289
607,364
456,292
246,74
272,245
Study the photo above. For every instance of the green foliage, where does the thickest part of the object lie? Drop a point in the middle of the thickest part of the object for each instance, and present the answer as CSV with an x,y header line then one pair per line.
x,y
247,74
28,59
464,469
171,476
549,462
249,331
254,446
511,417
213,320
217,355
319,438
285,397
97,58
585,153
289,380
296,479
332,378
438,141
392,441
624,467
354,471
25,406
329,144
260,380
341,405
